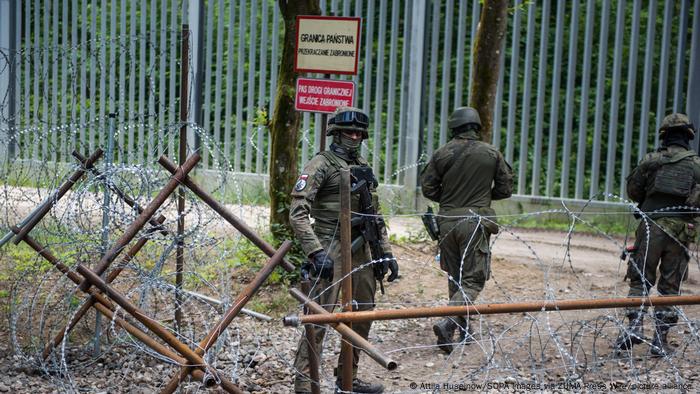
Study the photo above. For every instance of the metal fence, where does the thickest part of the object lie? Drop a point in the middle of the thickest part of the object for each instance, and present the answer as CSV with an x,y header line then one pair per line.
x,y
583,87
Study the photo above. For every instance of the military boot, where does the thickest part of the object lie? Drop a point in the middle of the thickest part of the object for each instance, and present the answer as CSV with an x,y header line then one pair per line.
x,y
659,345
633,334
360,386
444,330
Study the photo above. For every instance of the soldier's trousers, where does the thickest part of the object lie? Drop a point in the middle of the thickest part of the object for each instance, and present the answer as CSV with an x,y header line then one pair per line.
x,y
464,251
660,245
326,294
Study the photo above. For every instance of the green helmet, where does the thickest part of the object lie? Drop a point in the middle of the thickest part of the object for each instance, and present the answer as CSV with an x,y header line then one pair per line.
x,y
348,118
676,120
464,116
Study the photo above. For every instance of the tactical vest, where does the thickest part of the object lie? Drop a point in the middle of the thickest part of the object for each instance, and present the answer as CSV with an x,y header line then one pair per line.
x,y
326,207
671,184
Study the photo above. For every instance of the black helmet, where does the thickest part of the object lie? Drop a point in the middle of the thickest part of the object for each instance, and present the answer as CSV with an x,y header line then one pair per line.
x,y
463,116
348,118
676,120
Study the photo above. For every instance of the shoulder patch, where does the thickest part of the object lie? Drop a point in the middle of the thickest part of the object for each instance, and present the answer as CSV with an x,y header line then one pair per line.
x,y
301,182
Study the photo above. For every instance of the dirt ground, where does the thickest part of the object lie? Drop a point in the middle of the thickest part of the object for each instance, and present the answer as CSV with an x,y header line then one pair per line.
x,y
526,352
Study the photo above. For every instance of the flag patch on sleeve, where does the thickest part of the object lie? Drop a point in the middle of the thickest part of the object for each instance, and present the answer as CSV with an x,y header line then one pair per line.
x,y
301,182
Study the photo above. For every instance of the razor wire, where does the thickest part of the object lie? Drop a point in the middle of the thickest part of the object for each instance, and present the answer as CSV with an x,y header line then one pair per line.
x,y
558,350
528,350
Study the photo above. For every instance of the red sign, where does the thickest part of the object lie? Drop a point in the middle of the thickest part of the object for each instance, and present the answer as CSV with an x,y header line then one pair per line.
x,y
323,95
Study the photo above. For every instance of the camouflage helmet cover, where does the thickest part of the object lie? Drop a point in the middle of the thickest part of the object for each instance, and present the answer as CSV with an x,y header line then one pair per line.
x,y
463,116
332,127
676,120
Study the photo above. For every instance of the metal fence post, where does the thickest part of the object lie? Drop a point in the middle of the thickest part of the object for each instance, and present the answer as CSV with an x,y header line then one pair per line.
x,y
106,206
195,12
693,101
8,40
415,95
4,74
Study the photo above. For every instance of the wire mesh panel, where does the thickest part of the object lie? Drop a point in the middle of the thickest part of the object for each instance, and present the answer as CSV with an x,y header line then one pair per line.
x,y
582,89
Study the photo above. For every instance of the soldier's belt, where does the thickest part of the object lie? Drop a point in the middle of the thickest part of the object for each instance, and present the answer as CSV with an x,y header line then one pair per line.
x,y
466,211
488,221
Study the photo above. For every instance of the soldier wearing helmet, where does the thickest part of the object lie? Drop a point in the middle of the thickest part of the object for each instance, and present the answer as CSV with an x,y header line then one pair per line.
x,y
464,176
664,185
317,195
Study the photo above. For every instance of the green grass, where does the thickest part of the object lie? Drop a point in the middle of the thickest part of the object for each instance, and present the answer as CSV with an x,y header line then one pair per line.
x,y
610,224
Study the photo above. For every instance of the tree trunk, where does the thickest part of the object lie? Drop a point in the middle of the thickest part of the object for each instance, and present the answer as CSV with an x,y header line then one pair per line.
x,y
487,55
284,125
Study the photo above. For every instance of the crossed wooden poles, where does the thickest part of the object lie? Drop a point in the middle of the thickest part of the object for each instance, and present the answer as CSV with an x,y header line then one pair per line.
x,y
103,296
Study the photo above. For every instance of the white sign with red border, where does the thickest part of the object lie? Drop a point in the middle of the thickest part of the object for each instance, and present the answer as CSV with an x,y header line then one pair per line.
x,y
327,44
323,95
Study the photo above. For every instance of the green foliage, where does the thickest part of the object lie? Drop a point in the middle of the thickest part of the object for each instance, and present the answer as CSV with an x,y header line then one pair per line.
x,y
261,118
295,255
25,260
248,257
279,302
230,53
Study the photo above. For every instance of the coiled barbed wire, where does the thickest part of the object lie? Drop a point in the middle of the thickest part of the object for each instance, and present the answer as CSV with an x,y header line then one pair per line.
x,y
571,349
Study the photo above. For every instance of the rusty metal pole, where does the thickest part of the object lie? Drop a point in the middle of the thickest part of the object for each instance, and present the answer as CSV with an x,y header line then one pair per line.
x,y
145,215
180,250
343,329
226,214
41,212
95,296
48,201
491,309
235,309
123,196
346,256
105,307
208,380
91,300
314,355
152,325
198,374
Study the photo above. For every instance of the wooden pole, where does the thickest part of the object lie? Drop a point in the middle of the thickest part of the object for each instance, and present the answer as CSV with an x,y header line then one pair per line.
x,y
180,250
346,256
310,331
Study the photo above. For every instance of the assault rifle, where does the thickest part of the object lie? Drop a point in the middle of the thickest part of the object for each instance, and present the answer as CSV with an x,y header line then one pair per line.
x,y
368,222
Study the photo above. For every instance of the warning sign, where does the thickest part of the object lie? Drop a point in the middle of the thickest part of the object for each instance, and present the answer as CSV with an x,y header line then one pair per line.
x,y
327,44
323,95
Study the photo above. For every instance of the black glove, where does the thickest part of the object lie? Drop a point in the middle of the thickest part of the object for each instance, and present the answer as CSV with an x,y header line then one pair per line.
x,y
319,265
388,264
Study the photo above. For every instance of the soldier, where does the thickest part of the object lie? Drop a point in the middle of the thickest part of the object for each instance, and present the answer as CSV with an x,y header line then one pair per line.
x,y
664,186
464,176
317,195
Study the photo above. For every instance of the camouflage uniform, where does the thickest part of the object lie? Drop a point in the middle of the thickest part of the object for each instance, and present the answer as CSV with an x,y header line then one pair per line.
x,y
661,184
460,176
464,176
317,194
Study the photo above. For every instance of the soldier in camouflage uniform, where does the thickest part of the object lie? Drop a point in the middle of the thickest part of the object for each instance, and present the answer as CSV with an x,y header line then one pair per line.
x,y
317,195
664,186
464,176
